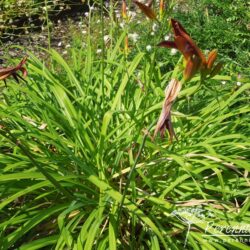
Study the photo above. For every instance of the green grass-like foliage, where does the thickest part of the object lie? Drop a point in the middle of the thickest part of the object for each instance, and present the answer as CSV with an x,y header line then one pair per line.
x,y
80,171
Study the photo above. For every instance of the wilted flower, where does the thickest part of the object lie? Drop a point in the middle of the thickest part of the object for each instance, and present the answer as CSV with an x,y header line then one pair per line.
x,y
164,121
146,8
194,58
12,71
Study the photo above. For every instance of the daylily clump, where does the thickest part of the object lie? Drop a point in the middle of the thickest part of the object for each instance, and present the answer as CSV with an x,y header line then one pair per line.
x,y
12,71
195,60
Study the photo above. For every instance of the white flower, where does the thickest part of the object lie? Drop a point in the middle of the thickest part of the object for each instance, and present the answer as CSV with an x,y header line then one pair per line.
x,y
86,14
148,48
99,51
223,82
167,37
122,25
59,44
131,14
152,33
238,83
206,51
84,32
173,51
154,27
106,38
133,36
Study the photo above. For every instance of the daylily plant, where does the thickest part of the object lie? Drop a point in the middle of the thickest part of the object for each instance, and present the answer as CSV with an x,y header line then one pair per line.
x,y
195,60
12,71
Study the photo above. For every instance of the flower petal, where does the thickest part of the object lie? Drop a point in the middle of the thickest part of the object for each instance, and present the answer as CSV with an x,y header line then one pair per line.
x,y
149,3
12,71
211,58
167,44
4,75
185,43
193,65
178,28
146,10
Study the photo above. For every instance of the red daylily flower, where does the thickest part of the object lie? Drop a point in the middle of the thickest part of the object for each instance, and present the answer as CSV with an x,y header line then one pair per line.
x,y
195,59
146,8
12,71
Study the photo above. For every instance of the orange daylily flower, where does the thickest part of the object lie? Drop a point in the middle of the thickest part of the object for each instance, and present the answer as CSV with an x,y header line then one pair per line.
x,y
146,8
195,59
12,71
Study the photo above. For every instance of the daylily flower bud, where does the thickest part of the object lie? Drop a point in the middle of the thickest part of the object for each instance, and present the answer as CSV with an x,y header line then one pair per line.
x,y
124,10
211,58
126,46
161,9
